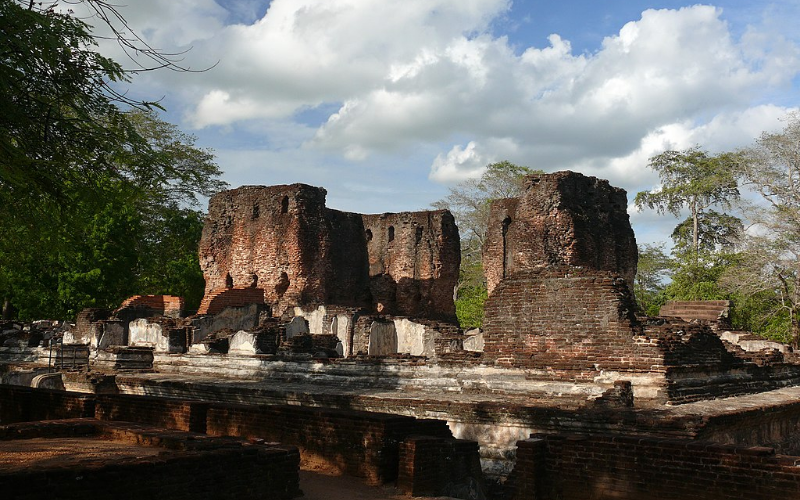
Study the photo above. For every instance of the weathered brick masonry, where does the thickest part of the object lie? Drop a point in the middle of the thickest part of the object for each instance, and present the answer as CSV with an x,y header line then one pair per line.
x,y
151,305
185,466
572,467
563,218
357,443
283,239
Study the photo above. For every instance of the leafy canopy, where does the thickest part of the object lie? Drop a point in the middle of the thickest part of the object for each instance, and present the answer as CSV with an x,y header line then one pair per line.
x,y
470,202
96,202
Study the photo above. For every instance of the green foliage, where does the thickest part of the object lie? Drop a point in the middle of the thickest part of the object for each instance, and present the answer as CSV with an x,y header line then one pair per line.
x,y
763,314
653,269
169,262
697,277
768,275
471,295
716,231
694,180
470,202
469,306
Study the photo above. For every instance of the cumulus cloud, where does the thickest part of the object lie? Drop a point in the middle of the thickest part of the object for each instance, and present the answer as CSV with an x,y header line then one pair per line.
x,y
385,78
666,69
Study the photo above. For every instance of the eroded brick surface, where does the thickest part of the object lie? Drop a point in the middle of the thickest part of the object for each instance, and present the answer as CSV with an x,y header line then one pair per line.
x,y
561,218
283,239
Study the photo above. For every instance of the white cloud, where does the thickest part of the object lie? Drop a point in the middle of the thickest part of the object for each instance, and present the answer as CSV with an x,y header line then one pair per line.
x,y
431,76
459,164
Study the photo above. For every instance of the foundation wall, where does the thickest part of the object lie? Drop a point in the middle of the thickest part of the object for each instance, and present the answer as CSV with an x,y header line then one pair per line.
x,y
284,240
182,467
24,404
188,416
355,443
604,467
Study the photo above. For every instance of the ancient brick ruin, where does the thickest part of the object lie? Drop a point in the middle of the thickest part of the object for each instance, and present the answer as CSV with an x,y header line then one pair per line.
x,y
560,219
338,331
283,242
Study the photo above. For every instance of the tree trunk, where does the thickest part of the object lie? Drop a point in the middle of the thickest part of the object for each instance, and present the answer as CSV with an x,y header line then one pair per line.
x,y
795,328
8,309
695,230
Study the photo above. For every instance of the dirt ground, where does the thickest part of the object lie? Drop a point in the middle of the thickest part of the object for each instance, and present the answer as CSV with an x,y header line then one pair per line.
x,y
321,484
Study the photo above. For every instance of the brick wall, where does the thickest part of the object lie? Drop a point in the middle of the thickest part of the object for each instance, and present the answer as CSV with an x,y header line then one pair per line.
x,y
283,239
161,305
189,416
431,466
185,468
561,218
414,259
216,300
572,322
356,443
706,310
24,404
605,467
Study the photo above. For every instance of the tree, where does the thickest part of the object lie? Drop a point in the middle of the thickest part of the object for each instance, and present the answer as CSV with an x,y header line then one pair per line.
x,y
83,183
766,282
694,180
770,264
653,269
136,236
715,232
470,202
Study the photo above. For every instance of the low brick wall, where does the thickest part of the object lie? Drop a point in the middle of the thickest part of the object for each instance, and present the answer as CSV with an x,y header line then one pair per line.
x,y
218,300
187,416
25,404
185,468
605,467
688,310
356,443
431,466
161,305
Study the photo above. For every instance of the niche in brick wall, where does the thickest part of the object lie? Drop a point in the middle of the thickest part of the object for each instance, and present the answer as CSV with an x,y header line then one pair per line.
x,y
382,339
283,285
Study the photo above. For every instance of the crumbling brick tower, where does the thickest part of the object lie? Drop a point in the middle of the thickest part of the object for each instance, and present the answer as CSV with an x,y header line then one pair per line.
x,y
560,262
280,245
563,218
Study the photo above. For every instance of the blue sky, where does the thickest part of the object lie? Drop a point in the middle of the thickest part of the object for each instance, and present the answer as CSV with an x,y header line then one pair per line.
x,y
386,104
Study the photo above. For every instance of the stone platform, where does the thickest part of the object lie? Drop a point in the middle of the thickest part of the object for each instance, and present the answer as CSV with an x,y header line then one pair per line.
x,y
498,421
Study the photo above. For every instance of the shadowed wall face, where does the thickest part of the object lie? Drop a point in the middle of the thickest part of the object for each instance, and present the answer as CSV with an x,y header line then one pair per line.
x,y
283,239
563,218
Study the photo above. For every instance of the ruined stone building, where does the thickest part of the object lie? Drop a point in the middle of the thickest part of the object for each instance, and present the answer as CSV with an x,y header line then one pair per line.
x,y
284,242
338,330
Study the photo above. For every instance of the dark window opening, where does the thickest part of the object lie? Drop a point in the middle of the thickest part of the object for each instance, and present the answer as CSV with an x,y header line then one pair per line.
x,y
282,285
256,211
228,281
506,223
368,235
418,235
391,233
285,205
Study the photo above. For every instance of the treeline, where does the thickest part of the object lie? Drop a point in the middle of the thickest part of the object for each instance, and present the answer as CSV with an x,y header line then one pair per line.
x,y
738,237
741,239
98,196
